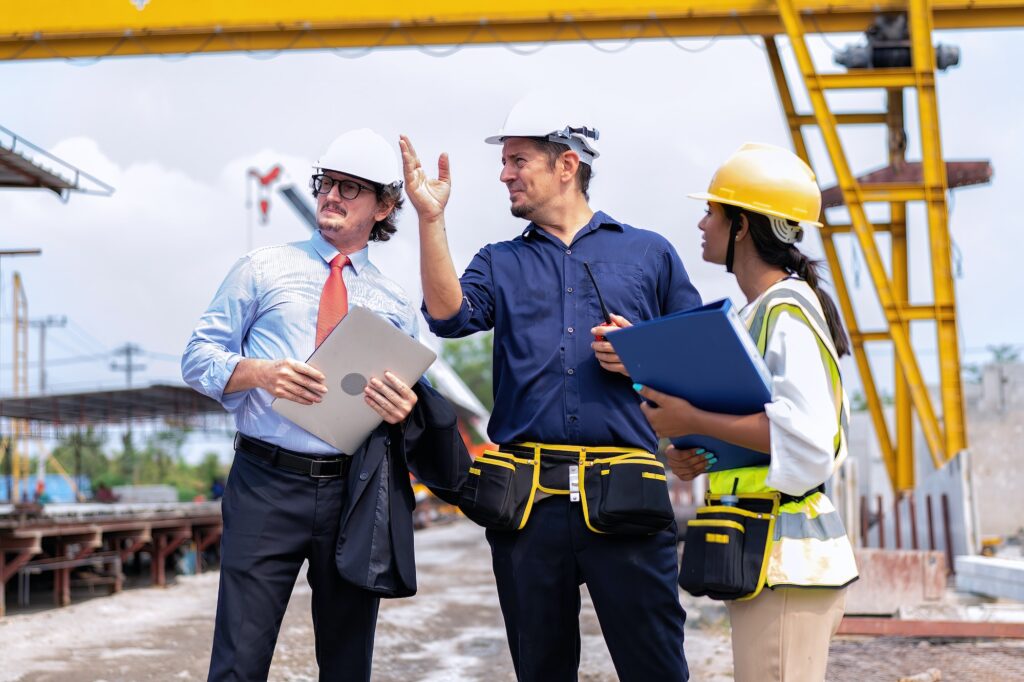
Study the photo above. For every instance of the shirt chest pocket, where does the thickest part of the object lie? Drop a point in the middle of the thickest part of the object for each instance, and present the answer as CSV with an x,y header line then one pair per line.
x,y
621,287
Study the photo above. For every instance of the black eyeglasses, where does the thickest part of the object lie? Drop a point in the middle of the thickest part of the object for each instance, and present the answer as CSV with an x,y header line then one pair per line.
x,y
349,189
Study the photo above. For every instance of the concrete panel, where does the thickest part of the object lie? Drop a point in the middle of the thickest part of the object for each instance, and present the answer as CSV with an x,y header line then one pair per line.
x,y
890,579
990,576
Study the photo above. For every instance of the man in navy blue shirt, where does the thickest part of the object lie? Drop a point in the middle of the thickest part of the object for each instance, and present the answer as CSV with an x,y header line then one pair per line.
x,y
561,395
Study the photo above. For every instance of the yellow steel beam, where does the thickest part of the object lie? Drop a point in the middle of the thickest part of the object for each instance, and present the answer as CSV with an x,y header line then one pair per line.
x,y
93,28
863,118
865,234
834,229
934,167
859,79
19,355
862,337
928,312
66,476
903,408
857,338
893,192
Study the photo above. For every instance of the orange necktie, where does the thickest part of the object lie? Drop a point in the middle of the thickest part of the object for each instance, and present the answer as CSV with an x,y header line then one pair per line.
x,y
333,300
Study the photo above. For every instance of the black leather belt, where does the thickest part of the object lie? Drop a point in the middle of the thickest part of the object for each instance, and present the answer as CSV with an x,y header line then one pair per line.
x,y
314,467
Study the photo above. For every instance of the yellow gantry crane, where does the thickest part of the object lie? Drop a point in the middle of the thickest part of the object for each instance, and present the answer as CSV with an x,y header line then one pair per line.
x,y
19,463
108,28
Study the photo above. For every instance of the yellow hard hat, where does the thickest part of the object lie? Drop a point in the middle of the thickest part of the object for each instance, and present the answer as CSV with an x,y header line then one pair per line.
x,y
767,179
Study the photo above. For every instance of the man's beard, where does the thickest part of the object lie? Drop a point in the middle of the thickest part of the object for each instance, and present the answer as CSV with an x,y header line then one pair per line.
x,y
328,225
522,211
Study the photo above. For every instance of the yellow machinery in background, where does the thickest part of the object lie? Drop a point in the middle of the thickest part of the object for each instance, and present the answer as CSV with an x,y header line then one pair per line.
x,y
106,28
19,462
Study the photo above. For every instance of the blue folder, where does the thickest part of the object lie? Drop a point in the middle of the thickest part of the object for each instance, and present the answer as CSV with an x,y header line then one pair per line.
x,y
706,356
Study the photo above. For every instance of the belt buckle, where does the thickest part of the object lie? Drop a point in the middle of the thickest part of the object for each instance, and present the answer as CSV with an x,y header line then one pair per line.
x,y
574,483
317,464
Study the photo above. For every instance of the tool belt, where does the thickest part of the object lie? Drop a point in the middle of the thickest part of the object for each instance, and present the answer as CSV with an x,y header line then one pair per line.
x,y
725,555
620,490
289,460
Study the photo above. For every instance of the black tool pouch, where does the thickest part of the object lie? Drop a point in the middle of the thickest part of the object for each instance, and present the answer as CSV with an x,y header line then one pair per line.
x,y
499,491
725,555
627,496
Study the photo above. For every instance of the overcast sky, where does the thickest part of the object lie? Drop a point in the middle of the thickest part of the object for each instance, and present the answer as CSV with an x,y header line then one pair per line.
x,y
176,136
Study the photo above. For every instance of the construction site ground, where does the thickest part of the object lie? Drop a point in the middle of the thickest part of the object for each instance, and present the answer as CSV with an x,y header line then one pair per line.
x,y
450,632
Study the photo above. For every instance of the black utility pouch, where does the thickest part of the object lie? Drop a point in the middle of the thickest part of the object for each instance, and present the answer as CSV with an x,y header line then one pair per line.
x,y
626,496
498,491
725,555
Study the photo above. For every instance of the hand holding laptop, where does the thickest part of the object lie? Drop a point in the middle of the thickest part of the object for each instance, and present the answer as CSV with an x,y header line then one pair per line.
x,y
291,380
367,367
390,397
304,384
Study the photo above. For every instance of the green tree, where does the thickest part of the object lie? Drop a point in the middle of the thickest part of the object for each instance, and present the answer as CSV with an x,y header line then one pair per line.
x,y
162,451
210,468
81,453
127,460
1004,354
471,358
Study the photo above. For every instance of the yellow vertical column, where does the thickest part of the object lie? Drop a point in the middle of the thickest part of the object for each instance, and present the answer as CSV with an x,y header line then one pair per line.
x,y
20,387
835,268
861,225
897,144
935,185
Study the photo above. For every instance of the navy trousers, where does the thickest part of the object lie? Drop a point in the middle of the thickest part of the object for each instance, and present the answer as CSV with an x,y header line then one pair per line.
x,y
273,521
632,582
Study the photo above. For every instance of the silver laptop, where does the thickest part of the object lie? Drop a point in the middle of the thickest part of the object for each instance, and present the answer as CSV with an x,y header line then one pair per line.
x,y
362,346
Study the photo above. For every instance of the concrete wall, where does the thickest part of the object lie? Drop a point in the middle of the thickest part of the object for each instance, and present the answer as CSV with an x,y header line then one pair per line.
x,y
994,467
872,481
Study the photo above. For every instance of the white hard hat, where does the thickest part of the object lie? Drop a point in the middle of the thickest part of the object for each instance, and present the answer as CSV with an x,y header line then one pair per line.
x,y
364,154
545,115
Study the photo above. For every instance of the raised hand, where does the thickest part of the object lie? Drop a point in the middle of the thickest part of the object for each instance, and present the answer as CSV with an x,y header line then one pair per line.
x,y
428,196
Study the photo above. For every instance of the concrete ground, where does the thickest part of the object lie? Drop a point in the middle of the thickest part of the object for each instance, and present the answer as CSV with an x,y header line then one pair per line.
x,y
450,632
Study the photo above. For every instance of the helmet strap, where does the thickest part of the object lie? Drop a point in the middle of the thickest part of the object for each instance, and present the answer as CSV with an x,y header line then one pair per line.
x,y
734,230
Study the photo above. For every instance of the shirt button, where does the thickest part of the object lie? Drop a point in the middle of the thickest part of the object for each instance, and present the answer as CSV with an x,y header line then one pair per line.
x,y
568,252
569,290
387,442
572,418
363,476
571,330
570,371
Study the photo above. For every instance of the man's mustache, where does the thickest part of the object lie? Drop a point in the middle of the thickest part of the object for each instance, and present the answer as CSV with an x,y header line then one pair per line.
x,y
334,207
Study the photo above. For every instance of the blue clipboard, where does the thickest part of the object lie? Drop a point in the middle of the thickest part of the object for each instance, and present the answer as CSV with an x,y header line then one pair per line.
x,y
706,356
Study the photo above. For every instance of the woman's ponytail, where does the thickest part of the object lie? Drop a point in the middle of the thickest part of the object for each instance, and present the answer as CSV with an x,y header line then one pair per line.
x,y
787,256
807,270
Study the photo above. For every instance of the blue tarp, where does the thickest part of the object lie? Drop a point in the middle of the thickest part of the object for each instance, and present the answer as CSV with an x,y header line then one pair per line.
x,y
58,489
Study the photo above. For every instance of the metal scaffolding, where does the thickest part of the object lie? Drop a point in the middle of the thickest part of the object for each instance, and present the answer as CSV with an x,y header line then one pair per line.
x,y
102,28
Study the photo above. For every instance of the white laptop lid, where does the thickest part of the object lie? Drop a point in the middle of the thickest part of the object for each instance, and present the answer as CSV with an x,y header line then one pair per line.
x,y
363,345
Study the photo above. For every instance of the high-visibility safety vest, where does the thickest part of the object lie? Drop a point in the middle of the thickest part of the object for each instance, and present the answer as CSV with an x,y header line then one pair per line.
x,y
811,548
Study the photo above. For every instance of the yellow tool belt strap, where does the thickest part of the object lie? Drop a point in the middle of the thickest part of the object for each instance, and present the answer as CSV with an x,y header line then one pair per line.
x,y
555,460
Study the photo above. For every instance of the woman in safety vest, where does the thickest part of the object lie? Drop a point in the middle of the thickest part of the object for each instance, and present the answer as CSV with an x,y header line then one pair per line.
x,y
759,202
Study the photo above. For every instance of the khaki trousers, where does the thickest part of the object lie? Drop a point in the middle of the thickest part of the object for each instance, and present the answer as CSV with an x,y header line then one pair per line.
x,y
783,635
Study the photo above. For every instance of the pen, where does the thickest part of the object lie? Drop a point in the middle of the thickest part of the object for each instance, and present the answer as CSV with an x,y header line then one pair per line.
x,y
597,290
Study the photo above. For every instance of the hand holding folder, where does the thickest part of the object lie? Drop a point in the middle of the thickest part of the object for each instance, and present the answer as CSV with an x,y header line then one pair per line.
x,y
706,356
